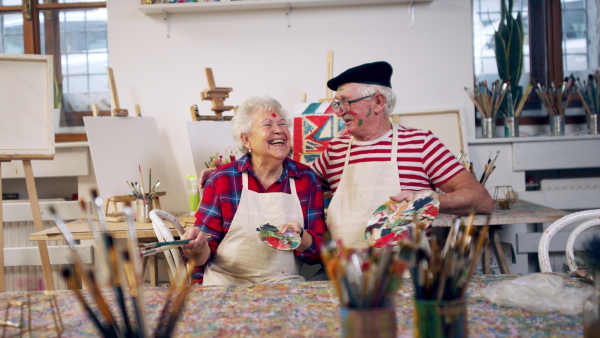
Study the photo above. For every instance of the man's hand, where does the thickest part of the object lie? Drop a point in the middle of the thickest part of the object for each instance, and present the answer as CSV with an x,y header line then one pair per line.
x,y
205,175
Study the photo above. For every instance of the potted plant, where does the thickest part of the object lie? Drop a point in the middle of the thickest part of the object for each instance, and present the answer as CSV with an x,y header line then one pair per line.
x,y
508,46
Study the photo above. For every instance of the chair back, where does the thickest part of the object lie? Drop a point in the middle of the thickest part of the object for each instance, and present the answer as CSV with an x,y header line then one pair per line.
x,y
163,233
543,246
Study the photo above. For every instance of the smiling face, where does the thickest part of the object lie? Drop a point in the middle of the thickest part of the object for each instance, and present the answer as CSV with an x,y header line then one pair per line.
x,y
269,137
364,119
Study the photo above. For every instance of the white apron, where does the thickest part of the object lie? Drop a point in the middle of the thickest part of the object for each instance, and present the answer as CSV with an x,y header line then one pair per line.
x,y
241,257
362,188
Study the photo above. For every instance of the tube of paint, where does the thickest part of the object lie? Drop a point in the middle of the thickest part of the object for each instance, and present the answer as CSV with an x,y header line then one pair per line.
x,y
193,193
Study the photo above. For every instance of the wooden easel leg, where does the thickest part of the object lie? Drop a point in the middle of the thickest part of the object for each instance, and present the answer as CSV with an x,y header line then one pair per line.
x,y
1,236
37,224
498,251
487,269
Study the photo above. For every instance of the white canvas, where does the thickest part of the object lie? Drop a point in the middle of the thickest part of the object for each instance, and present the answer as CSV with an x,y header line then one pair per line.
x,y
119,145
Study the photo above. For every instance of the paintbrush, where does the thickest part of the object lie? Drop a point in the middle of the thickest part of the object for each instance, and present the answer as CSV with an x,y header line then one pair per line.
x,y
159,244
79,270
179,303
134,292
137,273
155,251
112,254
142,183
73,286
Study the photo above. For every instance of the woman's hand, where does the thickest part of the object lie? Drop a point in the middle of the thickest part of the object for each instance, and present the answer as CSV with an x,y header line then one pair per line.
x,y
306,239
197,249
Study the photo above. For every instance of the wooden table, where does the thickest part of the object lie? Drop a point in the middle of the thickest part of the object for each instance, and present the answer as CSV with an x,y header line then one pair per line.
x,y
520,212
309,309
145,233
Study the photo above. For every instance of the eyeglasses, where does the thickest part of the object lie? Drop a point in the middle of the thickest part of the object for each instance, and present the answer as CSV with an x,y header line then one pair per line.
x,y
345,105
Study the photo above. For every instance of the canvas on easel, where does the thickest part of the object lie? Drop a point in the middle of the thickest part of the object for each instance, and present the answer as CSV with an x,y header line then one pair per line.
x,y
27,131
314,126
447,125
209,141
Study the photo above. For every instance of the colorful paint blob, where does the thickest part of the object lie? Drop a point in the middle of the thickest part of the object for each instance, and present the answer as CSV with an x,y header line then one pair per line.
x,y
389,227
270,235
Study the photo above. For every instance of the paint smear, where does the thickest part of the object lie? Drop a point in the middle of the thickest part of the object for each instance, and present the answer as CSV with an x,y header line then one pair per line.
x,y
369,114
360,122
274,115
270,235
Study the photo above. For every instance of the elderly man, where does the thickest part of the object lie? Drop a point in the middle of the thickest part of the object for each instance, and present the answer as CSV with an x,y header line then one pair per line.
x,y
376,160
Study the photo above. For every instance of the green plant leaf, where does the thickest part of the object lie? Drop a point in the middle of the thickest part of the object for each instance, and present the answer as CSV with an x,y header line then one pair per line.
x,y
501,55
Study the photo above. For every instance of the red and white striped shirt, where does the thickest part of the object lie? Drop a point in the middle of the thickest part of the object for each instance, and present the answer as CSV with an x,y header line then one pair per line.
x,y
423,161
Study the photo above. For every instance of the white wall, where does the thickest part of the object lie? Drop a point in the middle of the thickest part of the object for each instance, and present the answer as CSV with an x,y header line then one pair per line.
x,y
255,52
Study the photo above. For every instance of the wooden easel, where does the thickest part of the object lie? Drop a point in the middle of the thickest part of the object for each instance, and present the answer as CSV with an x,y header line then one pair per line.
x,y
28,82
37,220
116,105
328,76
215,94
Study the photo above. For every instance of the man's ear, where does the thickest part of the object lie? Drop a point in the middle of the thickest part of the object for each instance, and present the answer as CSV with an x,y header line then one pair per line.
x,y
380,100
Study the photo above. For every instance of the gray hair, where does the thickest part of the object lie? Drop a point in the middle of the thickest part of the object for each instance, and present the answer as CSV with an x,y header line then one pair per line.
x,y
390,96
242,119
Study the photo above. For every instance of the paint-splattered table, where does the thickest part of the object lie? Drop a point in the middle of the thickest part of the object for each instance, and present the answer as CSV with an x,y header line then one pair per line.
x,y
520,212
307,310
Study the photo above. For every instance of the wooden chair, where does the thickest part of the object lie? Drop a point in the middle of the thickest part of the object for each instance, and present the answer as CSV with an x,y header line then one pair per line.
x,y
176,265
589,218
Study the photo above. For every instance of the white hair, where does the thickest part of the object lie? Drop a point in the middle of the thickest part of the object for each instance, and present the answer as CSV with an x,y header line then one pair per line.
x,y
390,96
242,119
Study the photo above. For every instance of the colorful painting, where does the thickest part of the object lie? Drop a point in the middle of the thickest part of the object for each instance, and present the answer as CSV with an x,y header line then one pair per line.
x,y
389,227
313,130
270,235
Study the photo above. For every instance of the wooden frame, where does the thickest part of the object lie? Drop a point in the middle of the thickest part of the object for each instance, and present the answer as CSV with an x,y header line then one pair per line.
x,y
447,125
27,106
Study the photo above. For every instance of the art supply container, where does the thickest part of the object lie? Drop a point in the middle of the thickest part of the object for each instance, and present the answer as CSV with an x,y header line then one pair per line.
x,y
488,127
557,125
193,193
440,319
511,126
593,124
370,322
143,208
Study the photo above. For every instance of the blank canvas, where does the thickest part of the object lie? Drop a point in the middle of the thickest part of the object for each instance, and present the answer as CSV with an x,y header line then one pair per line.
x,y
119,145
26,107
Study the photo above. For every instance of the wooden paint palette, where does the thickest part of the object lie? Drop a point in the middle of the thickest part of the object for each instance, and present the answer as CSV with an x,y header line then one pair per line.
x,y
270,235
388,227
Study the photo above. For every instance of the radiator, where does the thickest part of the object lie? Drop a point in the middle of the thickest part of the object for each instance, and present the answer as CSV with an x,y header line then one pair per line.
x,y
28,277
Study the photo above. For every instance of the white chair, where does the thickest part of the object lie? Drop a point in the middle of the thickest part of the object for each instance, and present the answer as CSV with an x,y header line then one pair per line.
x,y
589,218
176,264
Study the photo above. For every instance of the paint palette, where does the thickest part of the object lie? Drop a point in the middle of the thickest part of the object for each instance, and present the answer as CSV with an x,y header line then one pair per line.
x,y
388,227
270,235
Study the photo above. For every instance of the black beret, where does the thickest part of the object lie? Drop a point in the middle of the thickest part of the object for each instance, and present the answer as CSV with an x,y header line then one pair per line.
x,y
378,73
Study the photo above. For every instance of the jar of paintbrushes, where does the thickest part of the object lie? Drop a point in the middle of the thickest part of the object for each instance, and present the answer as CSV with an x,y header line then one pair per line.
x,y
556,101
488,102
366,281
514,107
146,200
590,99
441,274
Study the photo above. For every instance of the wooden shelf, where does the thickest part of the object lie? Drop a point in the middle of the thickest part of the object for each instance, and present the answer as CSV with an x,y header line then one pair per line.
x,y
246,5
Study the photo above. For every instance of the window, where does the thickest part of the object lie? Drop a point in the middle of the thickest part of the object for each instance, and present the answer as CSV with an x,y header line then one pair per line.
x,y
560,39
75,32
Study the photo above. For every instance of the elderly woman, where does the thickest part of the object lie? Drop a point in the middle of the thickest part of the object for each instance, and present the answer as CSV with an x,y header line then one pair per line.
x,y
263,186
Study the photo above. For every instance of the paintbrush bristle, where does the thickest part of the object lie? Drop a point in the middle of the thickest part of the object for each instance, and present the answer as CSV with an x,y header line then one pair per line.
x,y
82,205
94,193
52,210
590,254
